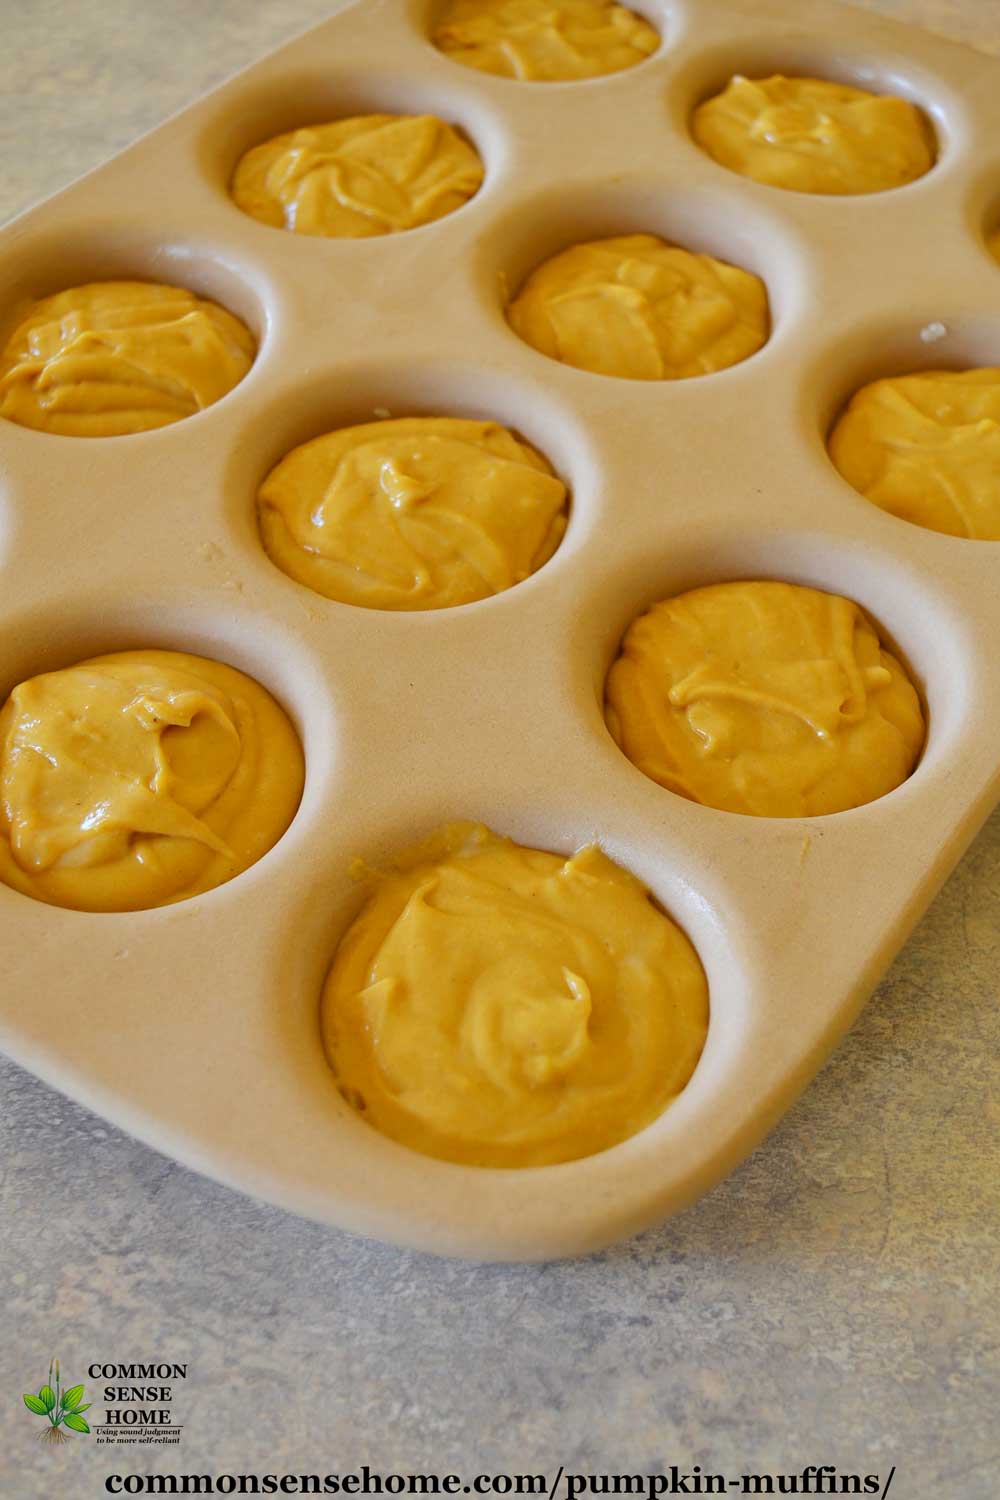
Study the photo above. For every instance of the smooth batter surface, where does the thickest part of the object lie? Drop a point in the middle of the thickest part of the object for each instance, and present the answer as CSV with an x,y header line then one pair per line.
x,y
140,778
115,357
369,175
993,241
544,41
416,513
764,698
927,448
506,1007
638,307
815,136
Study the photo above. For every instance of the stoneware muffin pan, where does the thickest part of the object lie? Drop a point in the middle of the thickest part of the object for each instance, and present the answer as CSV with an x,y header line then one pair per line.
x,y
196,1026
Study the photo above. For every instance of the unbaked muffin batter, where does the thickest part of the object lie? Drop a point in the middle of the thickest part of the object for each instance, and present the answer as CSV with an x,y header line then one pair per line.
x,y
636,306
766,698
544,41
815,136
505,1007
141,778
369,175
415,513
927,448
115,357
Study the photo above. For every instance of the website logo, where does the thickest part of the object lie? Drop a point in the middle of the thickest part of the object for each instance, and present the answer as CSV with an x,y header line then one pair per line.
x,y
61,1409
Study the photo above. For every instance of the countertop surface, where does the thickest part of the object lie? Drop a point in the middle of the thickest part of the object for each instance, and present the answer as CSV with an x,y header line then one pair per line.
x,y
834,1301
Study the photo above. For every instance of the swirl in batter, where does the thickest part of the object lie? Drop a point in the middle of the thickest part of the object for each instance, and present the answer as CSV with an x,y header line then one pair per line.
x,y
117,357
637,307
141,778
355,178
926,448
505,1007
544,41
814,136
764,698
414,513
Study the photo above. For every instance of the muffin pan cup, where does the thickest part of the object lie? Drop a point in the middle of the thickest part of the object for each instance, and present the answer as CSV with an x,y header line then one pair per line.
x,y
196,1026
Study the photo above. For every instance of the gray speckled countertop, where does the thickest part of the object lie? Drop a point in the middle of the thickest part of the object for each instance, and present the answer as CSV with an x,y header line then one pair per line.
x,y
835,1301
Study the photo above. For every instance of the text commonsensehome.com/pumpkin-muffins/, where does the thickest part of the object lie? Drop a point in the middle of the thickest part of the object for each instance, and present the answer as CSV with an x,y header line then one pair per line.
x,y
672,1479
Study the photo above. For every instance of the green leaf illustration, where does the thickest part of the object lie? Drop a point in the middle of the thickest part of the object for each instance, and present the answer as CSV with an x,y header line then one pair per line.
x,y
48,1396
33,1404
77,1423
85,1407
71,1397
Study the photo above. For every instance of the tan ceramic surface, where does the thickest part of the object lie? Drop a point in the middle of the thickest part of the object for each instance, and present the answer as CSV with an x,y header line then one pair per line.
x,y
195,1026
